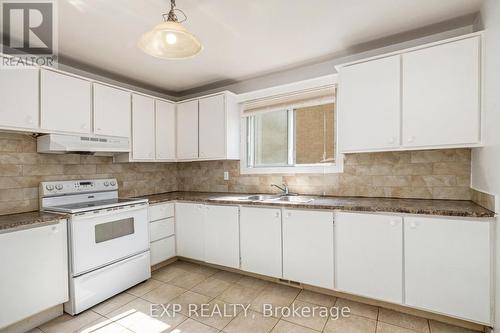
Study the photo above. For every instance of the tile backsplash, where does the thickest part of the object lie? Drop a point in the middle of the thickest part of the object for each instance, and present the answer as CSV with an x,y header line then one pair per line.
x,y
432,174
22,169
439,174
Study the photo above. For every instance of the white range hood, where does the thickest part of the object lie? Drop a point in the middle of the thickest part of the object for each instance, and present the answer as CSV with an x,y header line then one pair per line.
x,y
82,144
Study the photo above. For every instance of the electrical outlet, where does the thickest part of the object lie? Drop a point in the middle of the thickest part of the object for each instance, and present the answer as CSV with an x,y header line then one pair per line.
x,y
226,175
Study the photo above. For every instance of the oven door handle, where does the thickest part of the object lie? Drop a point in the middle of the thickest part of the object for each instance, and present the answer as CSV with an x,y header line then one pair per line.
x,y
109,211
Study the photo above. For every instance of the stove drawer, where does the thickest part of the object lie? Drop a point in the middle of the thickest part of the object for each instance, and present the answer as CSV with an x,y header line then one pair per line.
x,y
161,229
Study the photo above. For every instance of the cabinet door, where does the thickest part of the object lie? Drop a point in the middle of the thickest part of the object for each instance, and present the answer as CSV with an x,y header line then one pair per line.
x,y
143,128
66,103
369,255
447,266
222,245
369,105
190,230
260,238
111,111
187,130
165,130
308,247
17,111
212,127
34,271
441,94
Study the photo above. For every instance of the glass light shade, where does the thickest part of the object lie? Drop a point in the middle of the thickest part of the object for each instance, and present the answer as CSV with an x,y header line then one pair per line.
x,y
170,40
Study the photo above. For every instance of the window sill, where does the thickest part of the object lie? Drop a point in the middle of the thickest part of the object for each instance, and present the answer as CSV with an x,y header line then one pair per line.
x,y
305,169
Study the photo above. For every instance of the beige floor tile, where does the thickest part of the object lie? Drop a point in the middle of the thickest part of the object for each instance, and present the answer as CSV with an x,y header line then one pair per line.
x,y
311,319
227,276
35,330
195,268
167,273
218,314
67,323
103,325
113,303
282,290
238,294
163,294
266,298
287,327
316,298
439,327
193,326
254,283
144,287
404,320
211,287
253,322
190,300
138,317
359,309
351,324
388,328
187,280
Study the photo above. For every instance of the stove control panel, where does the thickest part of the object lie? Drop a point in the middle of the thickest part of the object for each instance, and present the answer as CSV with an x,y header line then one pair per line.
x,y
77,186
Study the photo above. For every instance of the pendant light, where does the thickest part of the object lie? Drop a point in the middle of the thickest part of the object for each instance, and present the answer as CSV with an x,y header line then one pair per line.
x,y
169,39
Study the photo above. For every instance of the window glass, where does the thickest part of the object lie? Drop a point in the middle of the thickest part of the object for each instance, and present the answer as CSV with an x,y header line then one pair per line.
x,y
271,138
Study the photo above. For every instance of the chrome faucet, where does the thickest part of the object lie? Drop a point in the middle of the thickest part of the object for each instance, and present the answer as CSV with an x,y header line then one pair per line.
x,y
284,189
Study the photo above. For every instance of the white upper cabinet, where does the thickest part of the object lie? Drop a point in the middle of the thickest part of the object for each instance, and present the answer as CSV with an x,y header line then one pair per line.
x,y
441,94
143,128
222,237
260,241
111,111
187,130
369,255
425,97
165,130
308,247
66,103
212,123
448,266
369,105
15,111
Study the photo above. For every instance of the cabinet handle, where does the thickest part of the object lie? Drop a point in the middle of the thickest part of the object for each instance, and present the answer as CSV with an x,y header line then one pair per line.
x,y
277,214
55,230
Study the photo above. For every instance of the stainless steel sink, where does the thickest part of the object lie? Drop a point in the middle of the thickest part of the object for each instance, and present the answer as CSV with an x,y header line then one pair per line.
x,y
262,197
296,198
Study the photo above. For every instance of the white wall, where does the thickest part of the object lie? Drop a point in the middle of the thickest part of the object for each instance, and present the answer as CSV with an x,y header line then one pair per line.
x,y
486,161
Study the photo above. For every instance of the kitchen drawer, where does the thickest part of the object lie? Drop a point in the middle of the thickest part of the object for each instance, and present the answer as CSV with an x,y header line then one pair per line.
x,y
161,211
162,250
161,229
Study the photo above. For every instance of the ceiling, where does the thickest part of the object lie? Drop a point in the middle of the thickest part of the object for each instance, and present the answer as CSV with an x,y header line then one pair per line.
x,y
242,39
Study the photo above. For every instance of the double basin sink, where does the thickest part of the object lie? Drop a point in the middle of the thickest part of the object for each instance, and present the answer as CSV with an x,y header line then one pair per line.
x,y
280,198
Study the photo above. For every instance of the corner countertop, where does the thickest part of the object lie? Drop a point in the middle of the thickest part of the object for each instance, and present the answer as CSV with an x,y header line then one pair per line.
x,y
15,222
461,208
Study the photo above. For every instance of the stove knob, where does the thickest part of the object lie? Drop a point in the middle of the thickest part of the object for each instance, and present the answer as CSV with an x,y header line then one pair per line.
x,y
59,187
106,183
49,187
113,183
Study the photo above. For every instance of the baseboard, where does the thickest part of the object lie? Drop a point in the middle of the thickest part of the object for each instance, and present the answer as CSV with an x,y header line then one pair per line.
x,y
34,321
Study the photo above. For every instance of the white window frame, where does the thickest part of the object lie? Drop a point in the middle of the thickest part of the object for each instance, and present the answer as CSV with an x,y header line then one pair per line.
x,y
336,167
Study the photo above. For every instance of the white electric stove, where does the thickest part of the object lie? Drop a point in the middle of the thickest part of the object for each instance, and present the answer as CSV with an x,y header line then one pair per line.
x,y
108,238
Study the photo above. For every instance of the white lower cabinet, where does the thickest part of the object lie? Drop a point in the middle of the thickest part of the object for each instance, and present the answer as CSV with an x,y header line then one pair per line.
x,y
369,255
190,231
222,243
447,266
34,271
260,241
308,247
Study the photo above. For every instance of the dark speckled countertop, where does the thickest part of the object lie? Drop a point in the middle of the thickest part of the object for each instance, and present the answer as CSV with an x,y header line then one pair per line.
x,y
14,222
408,206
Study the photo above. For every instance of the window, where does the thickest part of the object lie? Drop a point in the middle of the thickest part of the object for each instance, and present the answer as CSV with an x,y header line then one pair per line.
x,y
291,136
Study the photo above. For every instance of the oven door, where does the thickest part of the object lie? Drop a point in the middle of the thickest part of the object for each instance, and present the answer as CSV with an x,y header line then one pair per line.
x,y
101,237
